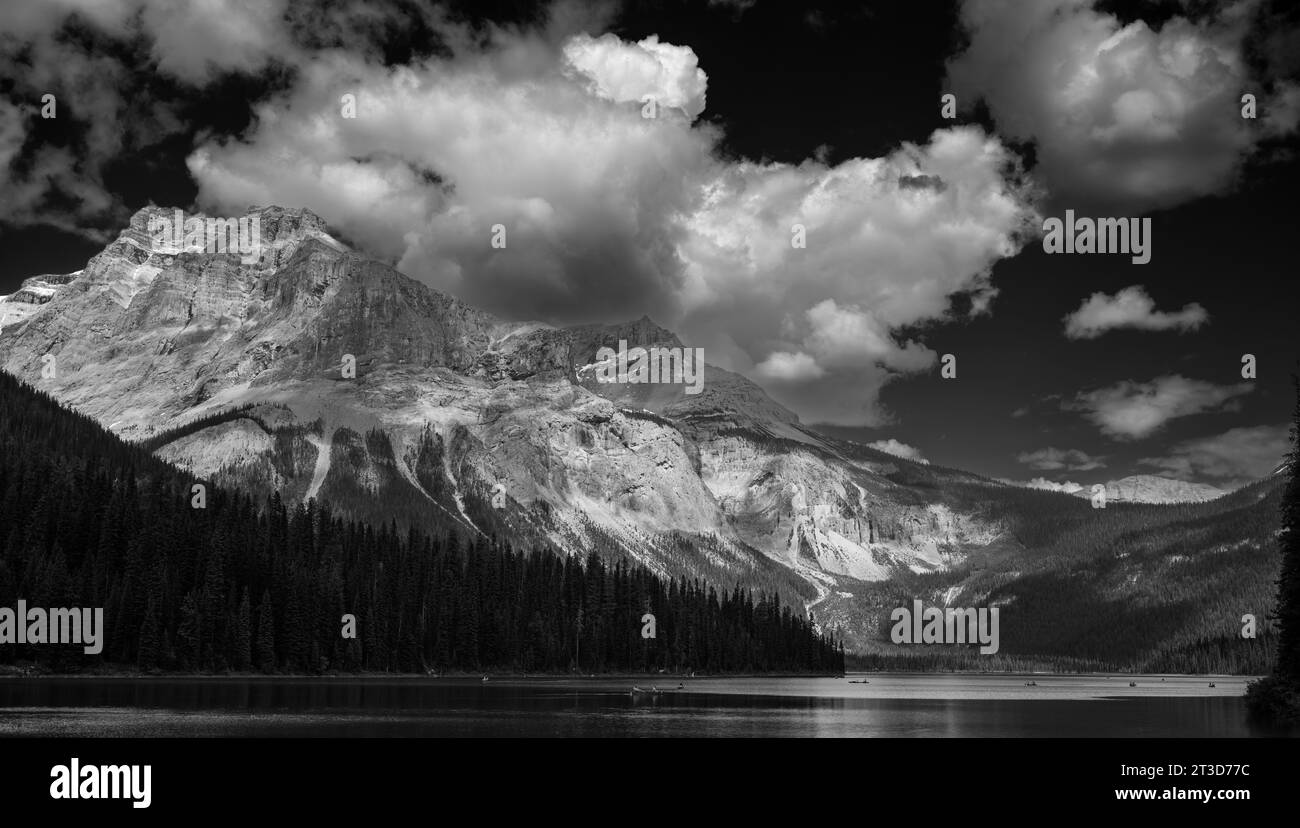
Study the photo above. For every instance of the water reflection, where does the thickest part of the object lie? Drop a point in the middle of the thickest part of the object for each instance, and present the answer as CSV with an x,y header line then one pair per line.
x,y
890,705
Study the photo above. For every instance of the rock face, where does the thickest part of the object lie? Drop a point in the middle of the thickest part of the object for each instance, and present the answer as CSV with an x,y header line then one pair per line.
x,y
1146,488
30,296
1151,488
317,373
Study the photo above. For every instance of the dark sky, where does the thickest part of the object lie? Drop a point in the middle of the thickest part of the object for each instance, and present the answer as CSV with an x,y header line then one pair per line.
x,y
789,80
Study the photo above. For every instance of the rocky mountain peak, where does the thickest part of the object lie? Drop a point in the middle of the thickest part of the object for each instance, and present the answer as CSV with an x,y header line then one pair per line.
x,y
264,237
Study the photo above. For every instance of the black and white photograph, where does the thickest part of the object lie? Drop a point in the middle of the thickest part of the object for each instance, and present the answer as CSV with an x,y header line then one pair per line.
x,y
415,378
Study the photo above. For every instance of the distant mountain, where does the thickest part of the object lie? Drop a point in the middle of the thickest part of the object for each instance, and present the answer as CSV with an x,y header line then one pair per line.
x,y
1155,588
30,296
1150,488
455,420
1138,488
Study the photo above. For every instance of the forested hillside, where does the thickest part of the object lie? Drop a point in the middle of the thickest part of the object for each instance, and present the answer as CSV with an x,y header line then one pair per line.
x,y
1128,587
87,520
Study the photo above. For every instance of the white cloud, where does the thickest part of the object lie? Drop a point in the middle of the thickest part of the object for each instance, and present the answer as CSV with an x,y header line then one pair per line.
x,y
1230,459
1129,308
890,241
29,20
1068,487
788,367
584,186
1122,115
196,41
609,214
107,95
847,337
1053,459
842,340
894,447
12,135
192,41
627,72
1132,410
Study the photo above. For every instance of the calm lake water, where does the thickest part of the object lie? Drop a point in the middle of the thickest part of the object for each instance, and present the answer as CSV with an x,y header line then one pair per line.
x,y
888,705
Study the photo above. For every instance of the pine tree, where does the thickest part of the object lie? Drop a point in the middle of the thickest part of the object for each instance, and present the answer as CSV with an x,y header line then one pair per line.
x,y
148,657
188,634
243,658
1277,697
1287,614
264,653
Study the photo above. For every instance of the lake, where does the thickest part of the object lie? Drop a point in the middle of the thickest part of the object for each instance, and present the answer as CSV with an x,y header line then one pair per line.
x,y
908,705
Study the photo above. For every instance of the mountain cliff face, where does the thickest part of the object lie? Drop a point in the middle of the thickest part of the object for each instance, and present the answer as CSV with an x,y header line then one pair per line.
x,y
315,372
30,296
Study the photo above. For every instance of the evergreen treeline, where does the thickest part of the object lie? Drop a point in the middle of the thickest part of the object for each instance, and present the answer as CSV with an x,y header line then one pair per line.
x,y
1276,697
87,520
1225,655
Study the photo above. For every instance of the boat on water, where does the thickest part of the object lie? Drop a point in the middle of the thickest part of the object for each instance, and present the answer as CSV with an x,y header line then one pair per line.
x,y
653,690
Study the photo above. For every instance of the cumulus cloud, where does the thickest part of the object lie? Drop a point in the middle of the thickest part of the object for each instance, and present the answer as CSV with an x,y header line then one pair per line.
x,y
105,94
894,447
1230,459
1129,308
441,152
539,129
197,41
882,253
12,135
1122,115
625,72
1068,487
193,42
609,214
1132,410
844,340
1054,459
787,367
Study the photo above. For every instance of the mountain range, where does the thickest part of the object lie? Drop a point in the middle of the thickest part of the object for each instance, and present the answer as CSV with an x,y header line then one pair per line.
x,y
317,372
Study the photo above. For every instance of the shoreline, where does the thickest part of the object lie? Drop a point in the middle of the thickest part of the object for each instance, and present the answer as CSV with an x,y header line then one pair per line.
x,y
7,672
